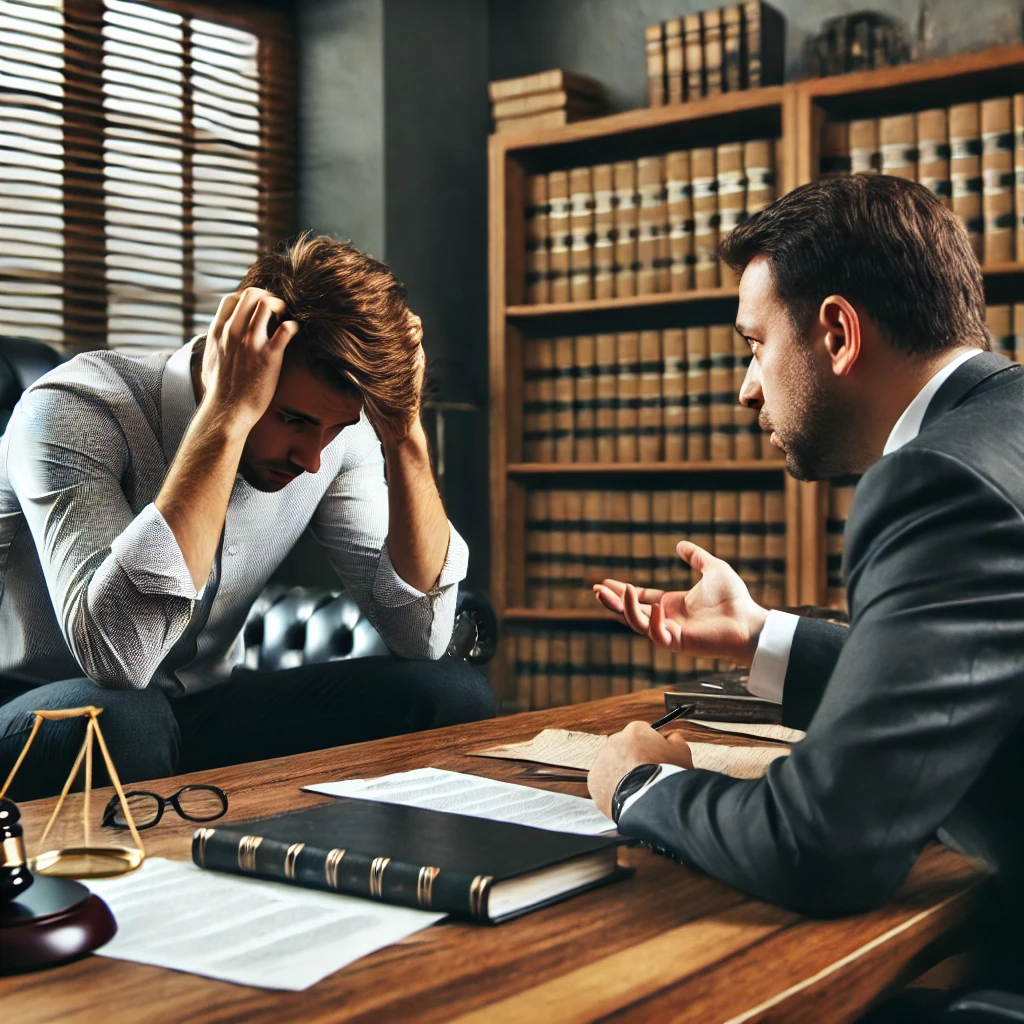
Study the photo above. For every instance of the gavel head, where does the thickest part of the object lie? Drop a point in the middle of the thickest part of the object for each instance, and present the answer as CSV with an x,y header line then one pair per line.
x,y
15,876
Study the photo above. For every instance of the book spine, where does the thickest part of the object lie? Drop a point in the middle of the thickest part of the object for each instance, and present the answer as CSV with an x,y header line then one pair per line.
x,y
864,155
701,526
698,365
343,871
558,232
681,520
558,551
574,568
679,209
711,27
1000,328
627,349
544,81
723,399
673,393
746,432
617,517
619,670
834,159
584,402
997,146
663,668
839,502
693,59
531,399
538,550
705,217
627,228
579,669
1018,331
650,423
605,348
965,171
641,548
732,199
663,540
1018,176
640,663
674,85
726,520
651,222
558,670
543,435
537,238
750,560
594,570
581,230
523,671
655,49
759,166
752,43
598,658
604,228
897,141
774,549
933,153
563,400
732,48
541,670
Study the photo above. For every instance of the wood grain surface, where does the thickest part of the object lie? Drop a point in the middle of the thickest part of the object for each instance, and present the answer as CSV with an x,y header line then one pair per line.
x,y
667,945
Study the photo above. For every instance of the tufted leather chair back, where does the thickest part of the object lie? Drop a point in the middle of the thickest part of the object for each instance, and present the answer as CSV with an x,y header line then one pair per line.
x,y
22,361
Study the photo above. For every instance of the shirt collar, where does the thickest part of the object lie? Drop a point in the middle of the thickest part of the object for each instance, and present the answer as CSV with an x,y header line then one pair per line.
x,y
908,426
178,398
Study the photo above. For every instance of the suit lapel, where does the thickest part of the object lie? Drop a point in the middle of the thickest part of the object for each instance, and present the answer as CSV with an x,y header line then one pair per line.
x,y
975,375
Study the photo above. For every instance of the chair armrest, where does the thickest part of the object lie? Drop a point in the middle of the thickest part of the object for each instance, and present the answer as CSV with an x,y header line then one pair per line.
x,y
987,1007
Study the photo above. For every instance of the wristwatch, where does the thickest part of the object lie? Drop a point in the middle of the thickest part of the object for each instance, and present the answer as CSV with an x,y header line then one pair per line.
x,y
631,783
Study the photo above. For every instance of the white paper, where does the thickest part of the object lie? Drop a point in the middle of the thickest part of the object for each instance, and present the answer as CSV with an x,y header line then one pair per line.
x,y
563,748
755,730
173,914
438,790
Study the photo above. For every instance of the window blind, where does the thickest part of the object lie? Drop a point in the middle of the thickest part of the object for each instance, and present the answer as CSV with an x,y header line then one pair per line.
x,y
146,157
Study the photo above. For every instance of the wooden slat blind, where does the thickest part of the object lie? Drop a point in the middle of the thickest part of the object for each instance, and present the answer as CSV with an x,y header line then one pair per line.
x,y
146,156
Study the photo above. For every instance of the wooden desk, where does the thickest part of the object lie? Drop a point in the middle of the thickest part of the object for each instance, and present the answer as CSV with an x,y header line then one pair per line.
x,y
667,945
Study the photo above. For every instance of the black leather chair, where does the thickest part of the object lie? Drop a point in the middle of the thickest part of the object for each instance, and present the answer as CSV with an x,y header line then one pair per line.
x,y
987,1007
286,626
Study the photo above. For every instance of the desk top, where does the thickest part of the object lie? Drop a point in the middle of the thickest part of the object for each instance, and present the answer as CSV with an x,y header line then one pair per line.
x,y
668,944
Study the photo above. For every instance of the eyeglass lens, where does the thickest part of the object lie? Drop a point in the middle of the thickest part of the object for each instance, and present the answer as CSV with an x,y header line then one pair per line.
x,y
196,803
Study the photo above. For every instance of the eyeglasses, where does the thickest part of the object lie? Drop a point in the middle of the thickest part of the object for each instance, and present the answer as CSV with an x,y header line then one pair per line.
x,y
194,803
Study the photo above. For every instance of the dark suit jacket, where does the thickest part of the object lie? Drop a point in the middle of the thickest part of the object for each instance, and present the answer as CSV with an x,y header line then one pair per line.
x,y
915,714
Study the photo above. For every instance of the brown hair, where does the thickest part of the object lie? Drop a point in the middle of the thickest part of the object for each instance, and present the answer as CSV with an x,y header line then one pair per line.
x,y
880,241
355,329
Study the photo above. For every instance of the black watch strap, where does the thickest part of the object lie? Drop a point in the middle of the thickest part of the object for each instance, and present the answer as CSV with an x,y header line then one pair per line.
x,y
630,783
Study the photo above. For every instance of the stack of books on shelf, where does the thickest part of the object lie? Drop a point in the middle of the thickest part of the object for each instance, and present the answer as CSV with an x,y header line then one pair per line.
x,y
640,396
970,155
576,538
855,42
548,99
639,227
742,46
1006,326
555,667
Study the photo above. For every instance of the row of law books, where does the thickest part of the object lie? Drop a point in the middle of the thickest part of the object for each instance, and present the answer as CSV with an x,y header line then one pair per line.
x,y
576,538
742,46
970,155
547,99
638,227
1006,326
640,396
840,499
553,668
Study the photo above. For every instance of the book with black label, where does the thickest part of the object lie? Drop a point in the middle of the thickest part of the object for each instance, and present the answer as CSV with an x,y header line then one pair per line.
x,y
469,867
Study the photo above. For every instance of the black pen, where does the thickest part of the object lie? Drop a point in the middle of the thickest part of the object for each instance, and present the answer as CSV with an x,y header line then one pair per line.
x,y
683,709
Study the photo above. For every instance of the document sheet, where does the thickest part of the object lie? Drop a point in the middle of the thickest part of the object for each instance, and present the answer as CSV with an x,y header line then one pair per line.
x,y
754,730
439,790
173,914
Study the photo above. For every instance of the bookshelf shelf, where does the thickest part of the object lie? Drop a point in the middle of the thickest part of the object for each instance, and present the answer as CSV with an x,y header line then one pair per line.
x,y
559,615
626,302
550,468
1001,269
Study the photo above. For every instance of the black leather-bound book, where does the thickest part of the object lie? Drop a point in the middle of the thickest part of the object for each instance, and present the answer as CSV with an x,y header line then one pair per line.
x,y
471,867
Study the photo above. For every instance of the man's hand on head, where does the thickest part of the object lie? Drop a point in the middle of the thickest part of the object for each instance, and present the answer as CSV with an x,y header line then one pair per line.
x,y
637,744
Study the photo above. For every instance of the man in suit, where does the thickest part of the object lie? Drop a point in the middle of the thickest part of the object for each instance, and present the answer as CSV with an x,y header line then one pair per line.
x,y
863,305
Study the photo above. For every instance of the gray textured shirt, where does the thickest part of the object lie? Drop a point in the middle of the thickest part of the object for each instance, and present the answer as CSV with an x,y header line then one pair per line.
x,y
91,577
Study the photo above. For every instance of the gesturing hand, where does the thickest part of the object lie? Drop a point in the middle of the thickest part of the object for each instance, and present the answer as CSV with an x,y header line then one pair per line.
x,y
716,618
242,358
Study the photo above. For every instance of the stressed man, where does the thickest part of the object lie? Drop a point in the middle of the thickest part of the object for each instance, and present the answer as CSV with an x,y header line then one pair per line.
x,y
863,306
145,502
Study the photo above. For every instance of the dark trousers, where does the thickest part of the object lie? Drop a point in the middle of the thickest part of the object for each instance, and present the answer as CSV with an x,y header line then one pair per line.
x,y
254,716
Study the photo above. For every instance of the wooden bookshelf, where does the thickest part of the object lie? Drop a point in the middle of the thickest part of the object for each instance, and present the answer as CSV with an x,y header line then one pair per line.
x,y
659,299
594,468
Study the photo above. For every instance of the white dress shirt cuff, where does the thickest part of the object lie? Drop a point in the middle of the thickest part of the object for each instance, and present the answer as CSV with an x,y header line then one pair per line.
x,y
148,553
767,676
391,591
666,771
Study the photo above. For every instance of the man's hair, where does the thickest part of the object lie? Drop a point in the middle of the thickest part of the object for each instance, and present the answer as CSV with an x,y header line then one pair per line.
x,y
883,242
355,329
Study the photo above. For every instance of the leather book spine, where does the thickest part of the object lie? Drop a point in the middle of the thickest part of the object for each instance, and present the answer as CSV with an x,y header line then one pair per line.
x,y
558,555
627,348
732,200
834,157
864,155
759,166
933,153
701,528
581,230
965,171
558,670
774,549
750,561
584,402
538,550
606,419
544,81
604,228
655,50
605,547
537,238
641,549
620,669
662,540
725,516
564,388
593,562
673,393
723,399
772,45
681,520
541,438
546,102
752,44
746,432
651,223
1000,328
705,217
679,208
531,398
693,56
574,570
541,670
711,27
617,518
524,671
341,870
1018,176
732,48
579,668
839,501
997,179
627,227
698,394
1018,331
598,658
640,663
675,89
650,424
558,232
897,142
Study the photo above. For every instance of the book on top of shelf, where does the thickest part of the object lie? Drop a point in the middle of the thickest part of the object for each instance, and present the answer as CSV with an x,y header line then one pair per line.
x,y
544,102
693,49
764,52
933,153
675,87
732,48
965,170
997,141
711,30
655,50
544,81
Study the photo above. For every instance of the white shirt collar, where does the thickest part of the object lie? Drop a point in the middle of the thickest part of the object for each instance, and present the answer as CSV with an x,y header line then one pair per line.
x,y
908,426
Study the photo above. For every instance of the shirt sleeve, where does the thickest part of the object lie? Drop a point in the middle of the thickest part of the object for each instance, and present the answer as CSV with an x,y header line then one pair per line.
x,y
767,677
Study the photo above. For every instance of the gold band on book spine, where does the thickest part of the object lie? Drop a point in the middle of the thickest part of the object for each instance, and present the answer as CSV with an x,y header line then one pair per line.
x,y
478,896
290,858
247,847
425,886
202,834
377,876
331,864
